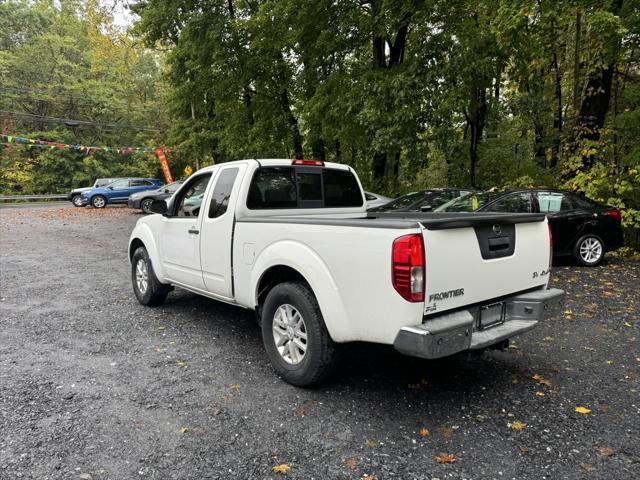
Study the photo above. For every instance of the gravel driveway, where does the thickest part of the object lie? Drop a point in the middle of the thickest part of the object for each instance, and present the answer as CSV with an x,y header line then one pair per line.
x,y
93,385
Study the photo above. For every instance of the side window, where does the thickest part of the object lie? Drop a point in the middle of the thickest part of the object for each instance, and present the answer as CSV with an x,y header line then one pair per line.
x,y
579,201
222,192
551,202
140,183
515,203
173,187
119,184
341,189
273,187
189,201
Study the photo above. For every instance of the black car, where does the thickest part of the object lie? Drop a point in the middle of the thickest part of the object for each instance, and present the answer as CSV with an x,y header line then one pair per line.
x,y
580,227
422,200
143,200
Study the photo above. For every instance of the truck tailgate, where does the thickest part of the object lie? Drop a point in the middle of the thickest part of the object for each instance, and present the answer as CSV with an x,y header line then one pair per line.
x,y
474,258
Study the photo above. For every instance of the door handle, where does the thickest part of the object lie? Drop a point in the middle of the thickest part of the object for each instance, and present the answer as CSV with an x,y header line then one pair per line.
x,y
194,231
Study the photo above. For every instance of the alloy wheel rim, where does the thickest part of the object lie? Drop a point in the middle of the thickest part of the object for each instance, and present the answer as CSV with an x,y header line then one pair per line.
x,y
590,250
290,334
142,276
99,202
77,200
146,205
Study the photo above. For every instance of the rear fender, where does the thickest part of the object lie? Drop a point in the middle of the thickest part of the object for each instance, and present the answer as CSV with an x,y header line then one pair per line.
x,y
307,263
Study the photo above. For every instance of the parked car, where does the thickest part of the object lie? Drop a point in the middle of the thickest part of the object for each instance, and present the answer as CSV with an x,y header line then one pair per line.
x,y
422,200
292,241
581,227
118,191
375,200
75,196
144,199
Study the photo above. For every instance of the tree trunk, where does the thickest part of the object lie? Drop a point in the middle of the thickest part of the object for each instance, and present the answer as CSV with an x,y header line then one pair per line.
x,y
557,120
476,119
293,124
576,64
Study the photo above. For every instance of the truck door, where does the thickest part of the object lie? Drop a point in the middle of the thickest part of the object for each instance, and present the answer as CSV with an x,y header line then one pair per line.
x,y
180,234
216,236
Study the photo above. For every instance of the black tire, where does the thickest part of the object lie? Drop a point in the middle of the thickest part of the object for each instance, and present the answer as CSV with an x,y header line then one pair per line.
x,y
99,201
583,250
155,292
145,205
76,200
321,355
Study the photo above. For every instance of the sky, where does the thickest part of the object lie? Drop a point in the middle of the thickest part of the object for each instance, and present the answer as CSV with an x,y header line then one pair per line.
x,y
122,16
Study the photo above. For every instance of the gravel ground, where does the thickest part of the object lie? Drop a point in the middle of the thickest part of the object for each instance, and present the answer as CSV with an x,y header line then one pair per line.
x,y
93,385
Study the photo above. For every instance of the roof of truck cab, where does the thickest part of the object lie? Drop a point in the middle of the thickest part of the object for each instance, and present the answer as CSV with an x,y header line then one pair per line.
x,y
274,162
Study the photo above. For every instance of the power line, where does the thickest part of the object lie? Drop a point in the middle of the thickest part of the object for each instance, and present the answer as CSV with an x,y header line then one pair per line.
x,y
74,123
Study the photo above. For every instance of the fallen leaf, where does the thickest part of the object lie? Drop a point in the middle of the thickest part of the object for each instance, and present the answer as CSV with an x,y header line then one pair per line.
x,y
583,410
539,394
281,469
609,362
446,432
351,463
605,451
627,324
370,444
423,432
541,380
184,430
517,425
233,386
588,467
368,476
547,339
523,449
180,363
157,349
161,327
445,458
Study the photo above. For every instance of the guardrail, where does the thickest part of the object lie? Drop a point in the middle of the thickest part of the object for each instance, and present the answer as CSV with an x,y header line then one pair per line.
x,y
32,198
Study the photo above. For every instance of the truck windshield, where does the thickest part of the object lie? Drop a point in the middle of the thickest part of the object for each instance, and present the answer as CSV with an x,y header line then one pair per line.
x,y
469,203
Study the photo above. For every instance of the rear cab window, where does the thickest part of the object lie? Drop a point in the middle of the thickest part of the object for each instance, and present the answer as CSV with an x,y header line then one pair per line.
x,y
281,187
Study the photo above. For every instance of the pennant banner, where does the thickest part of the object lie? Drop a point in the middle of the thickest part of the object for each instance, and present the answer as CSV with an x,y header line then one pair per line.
x,y
85,149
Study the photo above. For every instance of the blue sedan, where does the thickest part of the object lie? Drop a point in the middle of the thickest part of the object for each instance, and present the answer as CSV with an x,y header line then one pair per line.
x,y
118,191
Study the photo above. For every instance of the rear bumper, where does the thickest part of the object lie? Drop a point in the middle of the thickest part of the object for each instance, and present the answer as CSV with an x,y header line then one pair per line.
x,y
456,332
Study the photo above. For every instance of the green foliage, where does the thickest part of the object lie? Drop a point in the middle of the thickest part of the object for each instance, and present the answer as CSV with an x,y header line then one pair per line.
x,y
70,62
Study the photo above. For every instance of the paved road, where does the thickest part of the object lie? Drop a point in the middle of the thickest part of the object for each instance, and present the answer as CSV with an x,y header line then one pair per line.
x,y
93,384
33,205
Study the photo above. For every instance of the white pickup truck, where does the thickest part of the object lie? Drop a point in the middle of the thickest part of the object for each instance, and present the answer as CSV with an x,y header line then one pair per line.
x,y
291,240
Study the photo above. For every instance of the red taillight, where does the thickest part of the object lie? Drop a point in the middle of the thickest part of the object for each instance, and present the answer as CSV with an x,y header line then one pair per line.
x,y
614,213
407,267
308,163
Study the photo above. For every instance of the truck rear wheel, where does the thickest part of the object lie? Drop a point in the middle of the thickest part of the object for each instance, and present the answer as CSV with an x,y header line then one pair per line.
x,y
295,336
148,289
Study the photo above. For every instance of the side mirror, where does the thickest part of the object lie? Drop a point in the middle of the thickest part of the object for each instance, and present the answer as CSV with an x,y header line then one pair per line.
x,y
110,187
426,208
158,206
166,190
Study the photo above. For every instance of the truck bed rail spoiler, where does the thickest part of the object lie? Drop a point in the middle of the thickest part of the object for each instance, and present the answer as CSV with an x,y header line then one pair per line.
x,y
443,221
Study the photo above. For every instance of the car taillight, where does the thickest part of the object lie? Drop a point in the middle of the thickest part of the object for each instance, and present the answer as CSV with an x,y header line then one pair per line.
x,y
308,163
407,267
614,213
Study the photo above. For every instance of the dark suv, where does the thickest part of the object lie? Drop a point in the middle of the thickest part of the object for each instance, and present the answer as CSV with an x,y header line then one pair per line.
x,y
580,227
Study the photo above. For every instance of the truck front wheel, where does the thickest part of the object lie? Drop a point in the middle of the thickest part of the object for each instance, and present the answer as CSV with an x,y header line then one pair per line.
x,y
148,289
295,336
